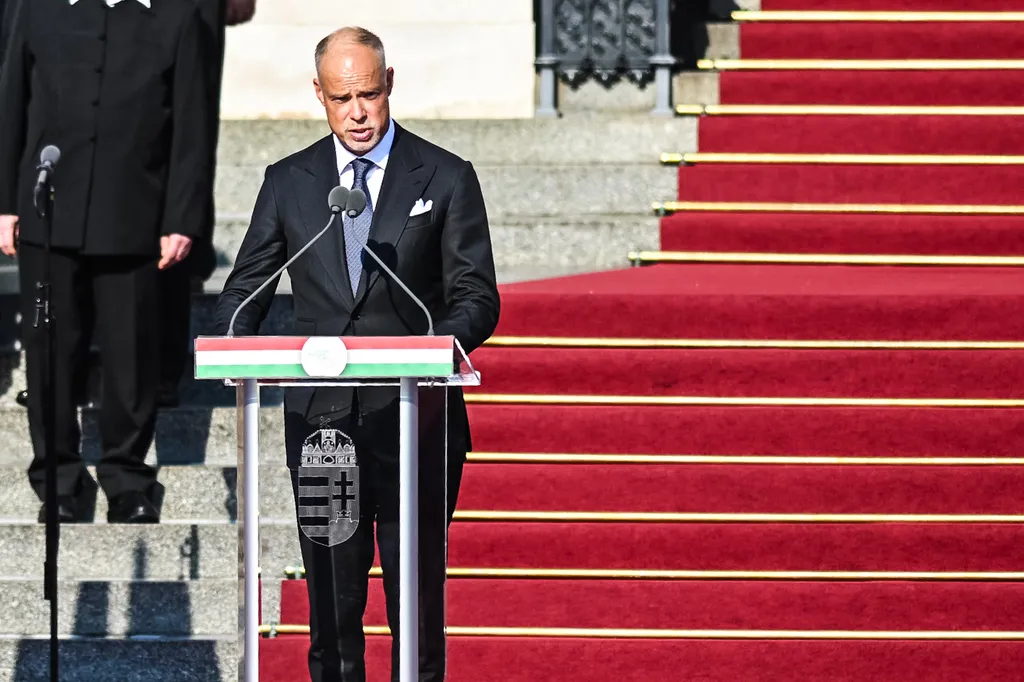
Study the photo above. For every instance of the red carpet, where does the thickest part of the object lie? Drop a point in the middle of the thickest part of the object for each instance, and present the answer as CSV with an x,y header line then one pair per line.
x,y
833,86
729,430
772,302
853,40
997,135
945,547
487,659
840,184
742,489
710,605
947,235
893,5
764,302
752,372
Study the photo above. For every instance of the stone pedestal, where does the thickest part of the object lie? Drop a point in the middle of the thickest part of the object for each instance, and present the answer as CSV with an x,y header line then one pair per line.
x,y
452,58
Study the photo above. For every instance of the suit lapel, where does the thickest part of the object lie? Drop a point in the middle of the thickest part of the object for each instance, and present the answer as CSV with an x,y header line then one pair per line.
x,y
313,183
404,181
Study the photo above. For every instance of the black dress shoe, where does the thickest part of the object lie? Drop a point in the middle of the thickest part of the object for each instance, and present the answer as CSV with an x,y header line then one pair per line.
x,y
132,507
65,510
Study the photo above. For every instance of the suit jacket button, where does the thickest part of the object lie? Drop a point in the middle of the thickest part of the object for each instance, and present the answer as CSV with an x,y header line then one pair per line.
x,y
355,316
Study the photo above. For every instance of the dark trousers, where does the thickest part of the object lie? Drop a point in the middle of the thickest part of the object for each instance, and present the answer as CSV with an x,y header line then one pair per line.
x,y
337,576
175,285
115,296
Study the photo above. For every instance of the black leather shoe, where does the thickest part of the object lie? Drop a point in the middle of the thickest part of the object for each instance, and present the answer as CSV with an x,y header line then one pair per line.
x,y
132,507
65,510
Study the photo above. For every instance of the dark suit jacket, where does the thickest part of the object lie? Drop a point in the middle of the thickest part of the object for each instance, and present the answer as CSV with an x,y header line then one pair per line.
x,y
123,93
444,256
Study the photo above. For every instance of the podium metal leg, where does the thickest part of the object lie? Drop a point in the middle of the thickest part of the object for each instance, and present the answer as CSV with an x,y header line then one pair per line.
x,y
408,538
249,534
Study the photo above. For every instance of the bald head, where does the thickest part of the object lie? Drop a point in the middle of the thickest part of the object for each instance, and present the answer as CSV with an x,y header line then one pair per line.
x,y
350,36
353,82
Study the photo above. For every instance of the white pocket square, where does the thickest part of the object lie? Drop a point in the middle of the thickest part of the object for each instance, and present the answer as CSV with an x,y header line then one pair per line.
x,y
419,207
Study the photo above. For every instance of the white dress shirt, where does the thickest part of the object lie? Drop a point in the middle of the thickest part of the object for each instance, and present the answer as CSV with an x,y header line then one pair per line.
x,y
378,155
111,3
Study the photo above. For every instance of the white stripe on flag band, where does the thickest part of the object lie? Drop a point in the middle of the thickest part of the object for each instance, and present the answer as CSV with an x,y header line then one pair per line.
x,y
386,356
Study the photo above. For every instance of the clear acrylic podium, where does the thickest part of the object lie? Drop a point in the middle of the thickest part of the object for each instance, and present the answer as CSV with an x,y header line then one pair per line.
x,y
248,362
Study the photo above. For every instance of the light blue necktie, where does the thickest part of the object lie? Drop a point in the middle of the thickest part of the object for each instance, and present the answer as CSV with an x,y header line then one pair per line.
x,y
359,227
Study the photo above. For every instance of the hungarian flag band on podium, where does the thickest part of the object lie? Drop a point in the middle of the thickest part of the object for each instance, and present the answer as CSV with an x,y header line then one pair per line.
x,y
280,358
329,495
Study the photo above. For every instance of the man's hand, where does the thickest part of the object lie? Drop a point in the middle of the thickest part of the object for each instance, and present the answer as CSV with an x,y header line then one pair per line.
x,y
239,11
173,249
9,234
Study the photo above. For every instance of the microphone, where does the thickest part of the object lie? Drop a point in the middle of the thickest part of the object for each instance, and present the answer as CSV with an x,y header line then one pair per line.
x,y
356,205
337,200
48,160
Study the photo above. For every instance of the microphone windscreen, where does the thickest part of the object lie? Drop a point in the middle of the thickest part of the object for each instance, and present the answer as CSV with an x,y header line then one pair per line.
x,y
337,198
50,155
356,203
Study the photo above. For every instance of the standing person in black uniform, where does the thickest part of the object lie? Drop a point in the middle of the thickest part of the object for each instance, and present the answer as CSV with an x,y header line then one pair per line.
x,y
178,284
118,86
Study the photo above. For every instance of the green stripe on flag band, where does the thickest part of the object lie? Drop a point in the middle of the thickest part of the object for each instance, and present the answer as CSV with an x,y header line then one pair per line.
x,y
368,370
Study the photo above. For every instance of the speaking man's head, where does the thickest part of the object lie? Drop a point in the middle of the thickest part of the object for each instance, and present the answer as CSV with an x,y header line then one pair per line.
x,y
353,82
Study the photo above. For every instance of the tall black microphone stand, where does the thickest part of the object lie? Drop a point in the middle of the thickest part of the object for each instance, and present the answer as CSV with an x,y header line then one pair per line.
x,y
43,200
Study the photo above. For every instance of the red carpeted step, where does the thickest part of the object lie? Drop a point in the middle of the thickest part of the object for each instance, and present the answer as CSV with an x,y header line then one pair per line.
x,y
878,40
931,547
850,431
742,488
892,5
771,302
707,605
752,372
990,135
855,184
844,233
535,659
871,87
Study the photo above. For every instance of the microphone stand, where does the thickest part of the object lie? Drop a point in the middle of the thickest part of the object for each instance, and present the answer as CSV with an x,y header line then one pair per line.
x,y
43,201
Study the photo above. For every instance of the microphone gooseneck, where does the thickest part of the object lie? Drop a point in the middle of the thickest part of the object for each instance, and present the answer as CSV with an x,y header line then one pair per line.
x,y
337,200
356,205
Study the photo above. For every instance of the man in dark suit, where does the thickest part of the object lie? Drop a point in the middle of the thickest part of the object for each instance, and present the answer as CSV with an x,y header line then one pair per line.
x,y
118,86
426,219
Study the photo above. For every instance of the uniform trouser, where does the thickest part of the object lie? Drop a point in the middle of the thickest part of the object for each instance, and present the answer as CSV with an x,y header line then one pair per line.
x,y
175,291
337,577
116,296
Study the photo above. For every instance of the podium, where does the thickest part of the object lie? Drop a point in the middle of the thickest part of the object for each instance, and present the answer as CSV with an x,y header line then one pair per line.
x,y
248,362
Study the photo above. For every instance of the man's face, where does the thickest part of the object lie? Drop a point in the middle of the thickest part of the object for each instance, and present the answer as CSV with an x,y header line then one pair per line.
x,y
354,90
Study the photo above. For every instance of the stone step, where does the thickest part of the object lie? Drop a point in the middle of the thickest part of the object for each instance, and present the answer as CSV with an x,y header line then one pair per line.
x,y
169,551
184,435
192,493
111,659
122,608
587,139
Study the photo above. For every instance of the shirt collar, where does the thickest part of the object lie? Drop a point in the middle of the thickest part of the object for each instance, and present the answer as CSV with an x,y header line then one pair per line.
x,y
378,155
111,3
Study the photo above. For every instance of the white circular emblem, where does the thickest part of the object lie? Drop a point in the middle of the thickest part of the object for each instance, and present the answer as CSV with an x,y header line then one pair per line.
x,y
324,356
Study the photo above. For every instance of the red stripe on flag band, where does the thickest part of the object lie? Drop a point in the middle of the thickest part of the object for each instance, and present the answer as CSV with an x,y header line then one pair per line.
x,y
247,343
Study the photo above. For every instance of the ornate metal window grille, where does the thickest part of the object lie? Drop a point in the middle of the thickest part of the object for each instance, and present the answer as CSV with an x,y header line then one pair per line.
x,y
606,40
